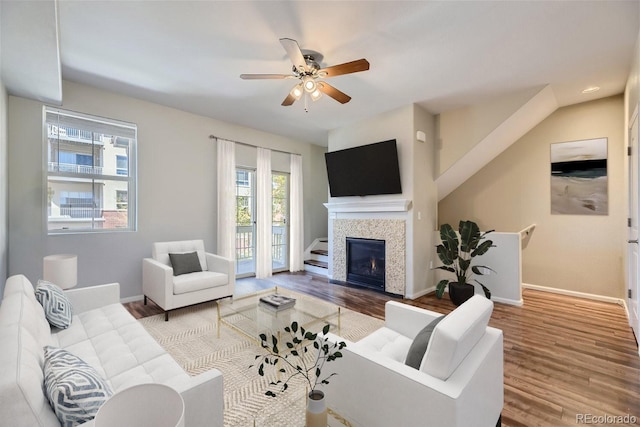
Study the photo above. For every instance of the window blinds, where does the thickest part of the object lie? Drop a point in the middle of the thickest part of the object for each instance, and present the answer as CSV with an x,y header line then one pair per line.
x,y
90,124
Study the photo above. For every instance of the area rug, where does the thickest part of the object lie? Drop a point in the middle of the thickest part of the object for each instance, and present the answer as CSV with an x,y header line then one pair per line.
x,y
191,338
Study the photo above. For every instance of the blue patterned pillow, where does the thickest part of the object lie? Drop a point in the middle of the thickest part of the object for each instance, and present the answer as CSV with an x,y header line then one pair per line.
x,y
75,389
57,307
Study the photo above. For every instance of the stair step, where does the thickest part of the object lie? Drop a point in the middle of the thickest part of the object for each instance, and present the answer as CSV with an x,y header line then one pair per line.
x,y
316,263
320,252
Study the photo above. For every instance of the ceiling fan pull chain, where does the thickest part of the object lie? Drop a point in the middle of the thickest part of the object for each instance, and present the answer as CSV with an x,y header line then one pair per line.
x,y
306,103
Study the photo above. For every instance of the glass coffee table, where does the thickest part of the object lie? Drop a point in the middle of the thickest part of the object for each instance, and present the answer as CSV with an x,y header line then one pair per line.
x,y
247,315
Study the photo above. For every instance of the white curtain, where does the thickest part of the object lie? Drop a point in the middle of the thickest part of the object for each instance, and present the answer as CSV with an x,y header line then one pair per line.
x,y
264,208
226,199
296,221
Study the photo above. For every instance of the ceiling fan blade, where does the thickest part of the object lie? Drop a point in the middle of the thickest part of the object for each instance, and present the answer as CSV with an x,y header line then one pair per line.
x,y
266,76
346,68
295,54
331,91
290,99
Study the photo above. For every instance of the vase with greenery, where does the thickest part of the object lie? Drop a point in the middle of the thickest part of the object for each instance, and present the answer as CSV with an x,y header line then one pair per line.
x,y
456,252
302,354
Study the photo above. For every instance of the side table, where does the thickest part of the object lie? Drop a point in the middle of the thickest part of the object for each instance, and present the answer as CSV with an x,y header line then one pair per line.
x,y
142,405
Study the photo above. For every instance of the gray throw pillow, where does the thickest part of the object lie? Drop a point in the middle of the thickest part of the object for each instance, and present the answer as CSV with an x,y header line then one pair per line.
x,y
56,305
75,389
419,345
185,263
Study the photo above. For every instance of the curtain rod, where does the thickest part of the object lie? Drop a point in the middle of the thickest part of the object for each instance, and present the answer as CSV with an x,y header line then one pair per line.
x,y
251,145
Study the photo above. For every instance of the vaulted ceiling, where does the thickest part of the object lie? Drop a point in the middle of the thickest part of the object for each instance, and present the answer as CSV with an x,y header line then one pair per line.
x,y
438,54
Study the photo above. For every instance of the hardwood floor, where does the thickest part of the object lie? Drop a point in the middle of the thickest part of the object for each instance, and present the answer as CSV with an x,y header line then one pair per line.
x,y
563,356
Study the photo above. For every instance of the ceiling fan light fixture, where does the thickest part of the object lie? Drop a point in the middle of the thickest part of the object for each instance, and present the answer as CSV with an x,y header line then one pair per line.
x,y
309,76
309,84
316,94
297,91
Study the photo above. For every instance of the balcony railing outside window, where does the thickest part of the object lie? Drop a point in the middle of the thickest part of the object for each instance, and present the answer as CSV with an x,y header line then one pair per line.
x,y
80,212
245,244
69,133
73,168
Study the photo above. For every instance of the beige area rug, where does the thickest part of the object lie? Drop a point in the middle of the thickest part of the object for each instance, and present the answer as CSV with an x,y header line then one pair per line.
x,y
191,338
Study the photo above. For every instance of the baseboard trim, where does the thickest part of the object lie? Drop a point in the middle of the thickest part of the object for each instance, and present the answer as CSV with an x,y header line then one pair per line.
x,y
578,294
418,294
517,303
132,299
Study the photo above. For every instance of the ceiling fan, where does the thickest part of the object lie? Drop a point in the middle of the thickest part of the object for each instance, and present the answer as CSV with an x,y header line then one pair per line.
x,y
306,68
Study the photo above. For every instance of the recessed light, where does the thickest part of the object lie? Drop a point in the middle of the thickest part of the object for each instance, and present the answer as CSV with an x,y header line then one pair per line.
x,y
591,89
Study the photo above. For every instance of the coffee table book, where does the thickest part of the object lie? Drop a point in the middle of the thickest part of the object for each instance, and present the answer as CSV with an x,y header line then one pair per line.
x,y
277,302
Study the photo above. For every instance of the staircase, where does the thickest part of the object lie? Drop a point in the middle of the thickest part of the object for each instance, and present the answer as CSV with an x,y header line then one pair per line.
x,y
317,257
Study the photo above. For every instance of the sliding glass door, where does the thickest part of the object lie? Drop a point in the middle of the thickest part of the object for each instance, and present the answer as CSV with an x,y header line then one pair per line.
x,y
246,222
280,223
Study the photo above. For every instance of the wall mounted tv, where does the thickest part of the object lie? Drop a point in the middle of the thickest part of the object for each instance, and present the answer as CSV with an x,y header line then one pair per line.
x,y
365,170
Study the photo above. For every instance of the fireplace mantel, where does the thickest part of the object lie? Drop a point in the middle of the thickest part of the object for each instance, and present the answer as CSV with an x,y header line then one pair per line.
x,y
389,205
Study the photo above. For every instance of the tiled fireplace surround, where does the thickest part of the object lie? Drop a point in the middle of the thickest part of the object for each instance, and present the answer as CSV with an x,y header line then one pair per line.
x,y
381,220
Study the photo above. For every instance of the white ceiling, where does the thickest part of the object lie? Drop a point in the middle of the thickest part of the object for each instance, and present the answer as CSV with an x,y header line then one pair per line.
x,y
438,54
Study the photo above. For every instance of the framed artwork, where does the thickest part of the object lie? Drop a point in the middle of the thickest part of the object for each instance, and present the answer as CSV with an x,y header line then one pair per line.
x,y
579,184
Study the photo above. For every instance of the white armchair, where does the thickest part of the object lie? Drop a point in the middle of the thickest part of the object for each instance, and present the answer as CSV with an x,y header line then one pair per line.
x,y
459,383
215,281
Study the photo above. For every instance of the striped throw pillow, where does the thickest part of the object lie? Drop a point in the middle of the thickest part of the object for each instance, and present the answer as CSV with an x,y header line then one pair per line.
x,y
57,307
75,389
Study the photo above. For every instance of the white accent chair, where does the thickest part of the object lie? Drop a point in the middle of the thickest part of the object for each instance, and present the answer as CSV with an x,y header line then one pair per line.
x,y
216,280
459,383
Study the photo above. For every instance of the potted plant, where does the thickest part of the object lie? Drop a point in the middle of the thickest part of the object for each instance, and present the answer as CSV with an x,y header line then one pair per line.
x,y
456,252
293,360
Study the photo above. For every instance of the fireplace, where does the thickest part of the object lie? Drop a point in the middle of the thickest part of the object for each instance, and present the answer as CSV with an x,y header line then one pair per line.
x,y
366,262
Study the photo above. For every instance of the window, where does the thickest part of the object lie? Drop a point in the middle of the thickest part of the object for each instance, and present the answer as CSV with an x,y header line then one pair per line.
x,y
245,222
122,200
122,165
242,178
74,204
91,173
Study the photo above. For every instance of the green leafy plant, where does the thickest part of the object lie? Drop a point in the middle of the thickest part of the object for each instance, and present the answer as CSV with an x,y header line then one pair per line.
x,y
291,358
456,253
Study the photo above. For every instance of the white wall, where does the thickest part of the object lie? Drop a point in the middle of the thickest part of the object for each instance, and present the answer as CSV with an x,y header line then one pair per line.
x,y
4,188
425,202
176,186
454,140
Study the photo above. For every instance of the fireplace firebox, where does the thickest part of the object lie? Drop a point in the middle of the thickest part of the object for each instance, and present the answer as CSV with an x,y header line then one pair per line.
x,y
365,262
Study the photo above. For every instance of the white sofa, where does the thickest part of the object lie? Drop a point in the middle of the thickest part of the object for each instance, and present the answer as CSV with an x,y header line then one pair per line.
x,y
216,280
459,383
103,334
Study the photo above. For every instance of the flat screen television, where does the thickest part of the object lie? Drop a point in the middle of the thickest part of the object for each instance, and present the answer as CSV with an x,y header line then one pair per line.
x,y
365,170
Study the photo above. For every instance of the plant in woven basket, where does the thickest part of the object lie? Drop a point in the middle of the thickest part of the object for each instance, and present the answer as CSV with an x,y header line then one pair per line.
x,y
291,357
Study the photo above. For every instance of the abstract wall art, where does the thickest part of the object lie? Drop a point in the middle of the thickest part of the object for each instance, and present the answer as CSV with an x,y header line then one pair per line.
x,y
579,177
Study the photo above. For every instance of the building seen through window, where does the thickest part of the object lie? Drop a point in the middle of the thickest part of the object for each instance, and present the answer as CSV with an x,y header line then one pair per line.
x,y
90,173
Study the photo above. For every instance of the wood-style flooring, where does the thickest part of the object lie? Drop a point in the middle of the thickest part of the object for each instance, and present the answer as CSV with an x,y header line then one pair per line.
x,y
563,356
